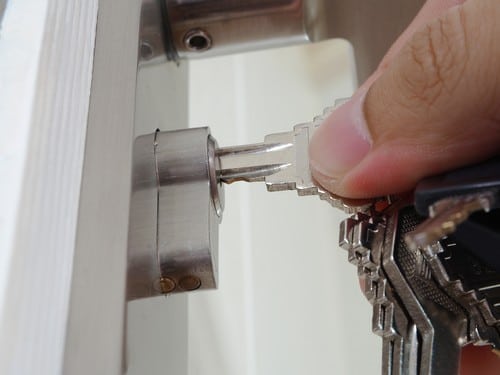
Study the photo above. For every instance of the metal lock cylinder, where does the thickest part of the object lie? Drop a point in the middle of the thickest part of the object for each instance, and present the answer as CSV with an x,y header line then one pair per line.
x,y
178,197
176,208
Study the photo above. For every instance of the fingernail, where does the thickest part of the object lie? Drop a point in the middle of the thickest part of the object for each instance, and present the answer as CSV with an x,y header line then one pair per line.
x,y
342,140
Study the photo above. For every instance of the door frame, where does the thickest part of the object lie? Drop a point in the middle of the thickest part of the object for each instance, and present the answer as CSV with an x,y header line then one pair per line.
x,y
96,321
68,72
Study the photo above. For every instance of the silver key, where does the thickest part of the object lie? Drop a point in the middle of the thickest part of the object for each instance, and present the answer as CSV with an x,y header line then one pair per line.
x,y
445,215
282,162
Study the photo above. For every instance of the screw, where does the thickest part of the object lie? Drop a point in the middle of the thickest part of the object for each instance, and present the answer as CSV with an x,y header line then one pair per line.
x,y
146,50
197,40
190,283
165,285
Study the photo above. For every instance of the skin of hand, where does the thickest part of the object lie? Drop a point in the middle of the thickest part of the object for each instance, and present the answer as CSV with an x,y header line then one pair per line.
x,y
432,105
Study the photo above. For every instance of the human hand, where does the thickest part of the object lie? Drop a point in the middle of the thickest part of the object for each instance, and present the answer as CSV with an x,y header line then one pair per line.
x,y
432,105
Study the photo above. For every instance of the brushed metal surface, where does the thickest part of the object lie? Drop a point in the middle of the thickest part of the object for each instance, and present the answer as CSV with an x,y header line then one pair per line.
x,y
231,26
174,220
236,26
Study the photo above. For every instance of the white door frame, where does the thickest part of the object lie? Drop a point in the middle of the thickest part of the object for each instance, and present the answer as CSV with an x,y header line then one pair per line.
x,y
94,343
66,129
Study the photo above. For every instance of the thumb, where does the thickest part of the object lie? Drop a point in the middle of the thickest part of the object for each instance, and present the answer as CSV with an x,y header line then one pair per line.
x,y
434,108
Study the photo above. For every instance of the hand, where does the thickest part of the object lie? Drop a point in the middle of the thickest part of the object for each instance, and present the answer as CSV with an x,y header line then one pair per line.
x,y
432,105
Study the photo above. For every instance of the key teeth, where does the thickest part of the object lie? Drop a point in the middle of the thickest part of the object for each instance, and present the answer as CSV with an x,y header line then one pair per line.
x,y
324,195
281,186
471,301
345,233
328,110
356,239
482,320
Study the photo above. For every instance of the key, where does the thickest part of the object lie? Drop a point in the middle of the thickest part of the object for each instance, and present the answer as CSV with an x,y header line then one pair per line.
x,y
427,303
424,308
282,162
178,200
434,284
450,199
446,215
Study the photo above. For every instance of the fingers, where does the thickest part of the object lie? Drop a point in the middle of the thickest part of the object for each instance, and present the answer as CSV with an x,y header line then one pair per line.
x,y
435,107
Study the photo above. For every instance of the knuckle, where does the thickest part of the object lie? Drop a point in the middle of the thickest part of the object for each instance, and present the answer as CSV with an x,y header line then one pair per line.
x,y
438,56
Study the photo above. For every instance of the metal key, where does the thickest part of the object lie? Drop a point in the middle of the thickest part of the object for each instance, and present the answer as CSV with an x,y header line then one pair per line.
x,y
451,198
427,302
178,199
433,289
282,162
446,215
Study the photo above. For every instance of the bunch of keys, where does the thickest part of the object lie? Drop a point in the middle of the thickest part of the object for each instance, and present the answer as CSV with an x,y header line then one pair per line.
x,y
428,263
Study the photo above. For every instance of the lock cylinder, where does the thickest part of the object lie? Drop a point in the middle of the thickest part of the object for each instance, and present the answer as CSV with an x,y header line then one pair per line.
x,y
176,208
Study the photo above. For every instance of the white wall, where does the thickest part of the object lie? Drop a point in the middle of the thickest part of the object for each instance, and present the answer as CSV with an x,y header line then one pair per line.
x,y
288,302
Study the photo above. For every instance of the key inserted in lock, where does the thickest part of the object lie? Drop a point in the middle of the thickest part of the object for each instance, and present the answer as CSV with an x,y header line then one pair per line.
x,y
428,301
177,200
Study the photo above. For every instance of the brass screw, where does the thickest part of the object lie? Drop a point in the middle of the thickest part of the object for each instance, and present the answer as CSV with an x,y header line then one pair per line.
x,y
166,285
190,282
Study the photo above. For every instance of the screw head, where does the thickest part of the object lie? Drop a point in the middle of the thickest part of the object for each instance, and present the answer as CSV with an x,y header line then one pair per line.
x,y
165,285
197,40
146,50
189,283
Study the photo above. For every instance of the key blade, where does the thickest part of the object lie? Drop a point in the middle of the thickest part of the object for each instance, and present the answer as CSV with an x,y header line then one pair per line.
x,y
249,174
282,162
446,215
252,163
298,175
